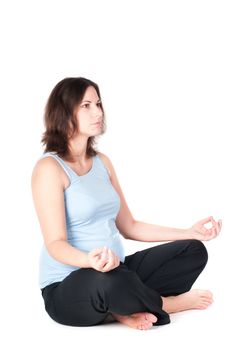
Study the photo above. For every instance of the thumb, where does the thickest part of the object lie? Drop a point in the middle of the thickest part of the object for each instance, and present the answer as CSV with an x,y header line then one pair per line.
x,y
204,221
96,251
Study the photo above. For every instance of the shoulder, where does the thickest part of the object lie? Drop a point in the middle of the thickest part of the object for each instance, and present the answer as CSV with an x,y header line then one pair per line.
x,y
46,168
45,164
107,162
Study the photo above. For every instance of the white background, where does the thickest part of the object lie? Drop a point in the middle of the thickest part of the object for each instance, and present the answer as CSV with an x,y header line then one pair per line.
x,y
164,72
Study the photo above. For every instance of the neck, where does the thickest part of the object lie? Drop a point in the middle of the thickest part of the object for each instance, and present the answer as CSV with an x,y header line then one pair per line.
x,y
78,147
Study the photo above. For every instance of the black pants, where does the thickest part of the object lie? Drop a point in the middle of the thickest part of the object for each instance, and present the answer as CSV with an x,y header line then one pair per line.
x,y
86,296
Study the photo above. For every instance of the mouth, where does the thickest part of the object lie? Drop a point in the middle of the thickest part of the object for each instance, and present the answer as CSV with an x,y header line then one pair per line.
x,y
97,124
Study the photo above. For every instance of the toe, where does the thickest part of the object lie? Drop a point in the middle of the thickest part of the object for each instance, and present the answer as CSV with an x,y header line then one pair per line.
x,y
151,318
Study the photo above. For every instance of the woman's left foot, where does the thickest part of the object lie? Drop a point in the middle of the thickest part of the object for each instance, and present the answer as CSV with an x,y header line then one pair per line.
x,y
194,299
140,320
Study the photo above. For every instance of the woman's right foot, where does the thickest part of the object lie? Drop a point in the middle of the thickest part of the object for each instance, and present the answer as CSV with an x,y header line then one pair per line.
x,y
193,299
140,320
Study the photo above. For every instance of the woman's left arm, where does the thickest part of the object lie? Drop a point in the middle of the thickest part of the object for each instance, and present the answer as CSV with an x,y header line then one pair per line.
x,y
141,231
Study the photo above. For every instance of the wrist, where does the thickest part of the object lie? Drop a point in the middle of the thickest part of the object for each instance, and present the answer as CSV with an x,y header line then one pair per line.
x,y
189,233
88,262
85,260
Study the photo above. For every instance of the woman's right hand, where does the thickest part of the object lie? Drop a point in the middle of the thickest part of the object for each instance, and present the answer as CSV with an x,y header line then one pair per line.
x,y
103,259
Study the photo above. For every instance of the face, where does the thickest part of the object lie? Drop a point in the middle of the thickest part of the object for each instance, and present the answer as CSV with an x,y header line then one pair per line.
x,y
89,113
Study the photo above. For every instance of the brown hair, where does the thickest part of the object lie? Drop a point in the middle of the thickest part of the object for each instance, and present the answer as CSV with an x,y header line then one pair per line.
x,y
59,120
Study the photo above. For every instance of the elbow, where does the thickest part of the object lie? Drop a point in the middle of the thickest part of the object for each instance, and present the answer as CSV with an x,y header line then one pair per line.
x,y
53,247
125,236
130,230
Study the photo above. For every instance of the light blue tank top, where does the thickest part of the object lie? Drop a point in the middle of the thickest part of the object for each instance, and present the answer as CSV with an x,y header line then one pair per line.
x,y
91,207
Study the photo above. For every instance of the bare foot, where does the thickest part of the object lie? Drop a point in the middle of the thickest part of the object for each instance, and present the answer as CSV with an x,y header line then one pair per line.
x,y
140,320
194,299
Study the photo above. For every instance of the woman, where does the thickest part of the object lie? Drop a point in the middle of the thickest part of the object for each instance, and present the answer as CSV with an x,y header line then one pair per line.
x,y
84,273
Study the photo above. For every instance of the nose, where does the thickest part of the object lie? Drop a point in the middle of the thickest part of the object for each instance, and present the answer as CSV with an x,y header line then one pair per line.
x,y
97,113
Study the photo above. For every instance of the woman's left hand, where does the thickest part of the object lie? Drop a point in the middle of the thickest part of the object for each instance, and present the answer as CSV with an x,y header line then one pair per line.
x,y
200,232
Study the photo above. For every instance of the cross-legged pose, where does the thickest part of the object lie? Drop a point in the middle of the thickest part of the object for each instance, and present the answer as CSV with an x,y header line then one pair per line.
x,y
85,277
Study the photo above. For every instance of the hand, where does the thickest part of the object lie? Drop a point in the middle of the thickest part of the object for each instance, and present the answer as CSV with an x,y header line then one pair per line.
x,y
103,259
200,232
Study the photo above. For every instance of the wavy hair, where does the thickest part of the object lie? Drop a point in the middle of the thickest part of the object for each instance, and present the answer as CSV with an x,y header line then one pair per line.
x,y
59,117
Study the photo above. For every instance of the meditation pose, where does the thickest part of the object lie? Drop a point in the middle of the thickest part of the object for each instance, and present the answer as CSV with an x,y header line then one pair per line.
x,y
84,275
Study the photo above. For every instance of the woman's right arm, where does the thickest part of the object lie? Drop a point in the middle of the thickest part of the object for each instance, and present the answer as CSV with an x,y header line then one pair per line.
x,y
48,197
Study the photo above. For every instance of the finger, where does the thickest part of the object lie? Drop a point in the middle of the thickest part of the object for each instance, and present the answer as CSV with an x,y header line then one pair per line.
x,y
95,259
101,264
96,251
110,262
219,227
103,259
220,224
116,260
213,233
203,230
216,225
208,235
112,257
104,256
209,232
205,221
105,252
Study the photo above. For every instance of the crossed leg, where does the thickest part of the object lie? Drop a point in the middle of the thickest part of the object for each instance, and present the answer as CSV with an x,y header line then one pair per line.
x,y
171,269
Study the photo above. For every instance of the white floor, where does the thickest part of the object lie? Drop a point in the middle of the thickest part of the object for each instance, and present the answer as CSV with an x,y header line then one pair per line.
x,y
188,330
29,327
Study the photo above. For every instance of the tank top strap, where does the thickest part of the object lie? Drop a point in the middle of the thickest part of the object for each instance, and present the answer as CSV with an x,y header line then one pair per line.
x,y
64,166
100,166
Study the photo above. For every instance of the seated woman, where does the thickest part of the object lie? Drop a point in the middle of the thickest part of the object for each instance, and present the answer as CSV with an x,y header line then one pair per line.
x,y
84,273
